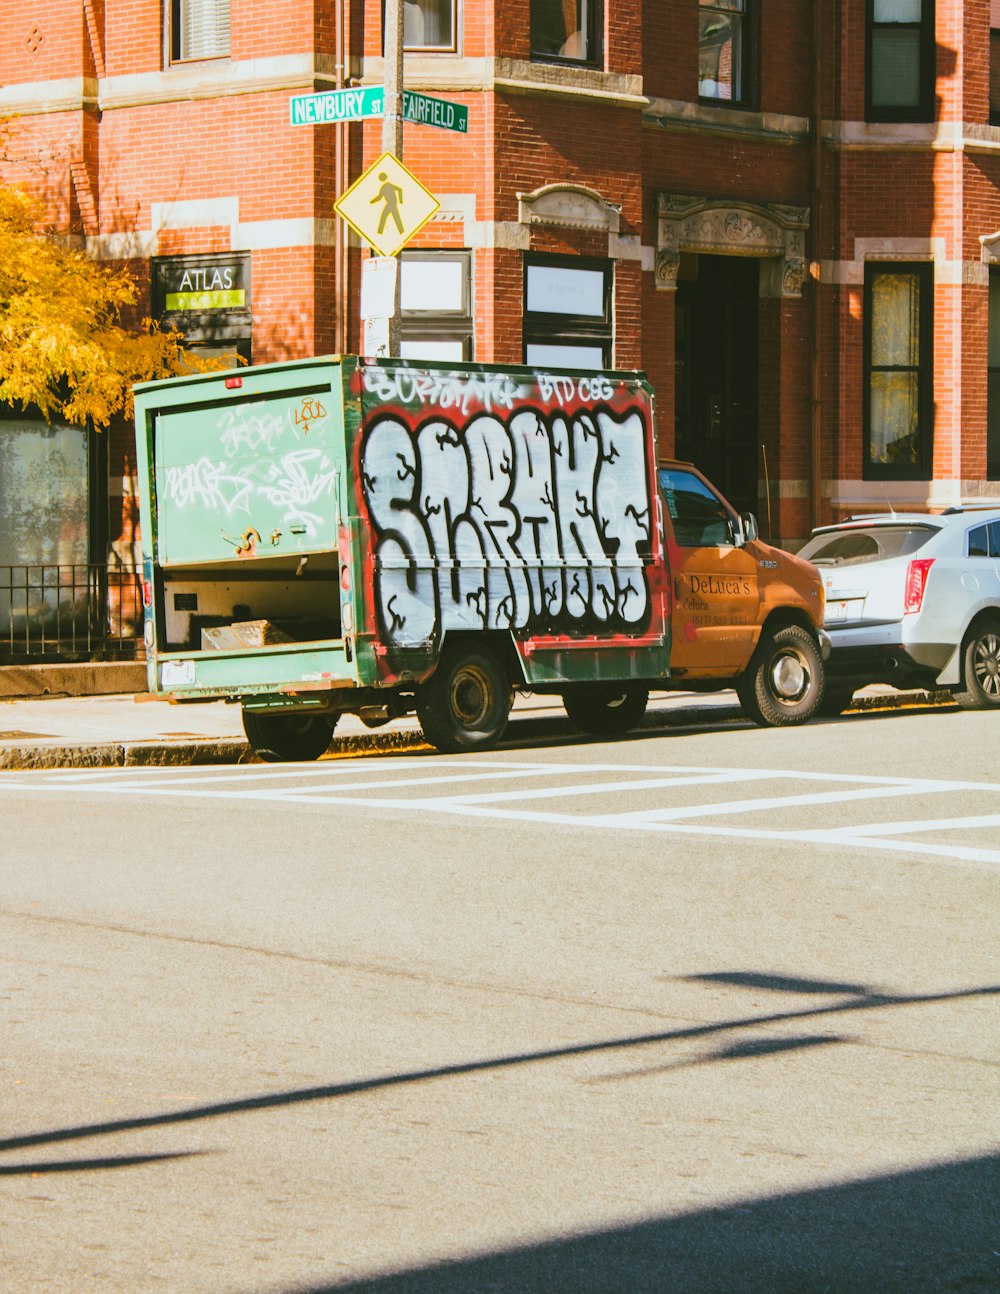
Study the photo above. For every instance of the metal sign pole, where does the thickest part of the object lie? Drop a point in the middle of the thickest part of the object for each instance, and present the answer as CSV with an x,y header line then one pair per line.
x,y
392,122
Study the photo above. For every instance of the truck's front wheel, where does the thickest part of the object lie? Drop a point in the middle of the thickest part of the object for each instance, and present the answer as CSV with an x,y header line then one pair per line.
x,y
465,704
283,738
605,709
783,683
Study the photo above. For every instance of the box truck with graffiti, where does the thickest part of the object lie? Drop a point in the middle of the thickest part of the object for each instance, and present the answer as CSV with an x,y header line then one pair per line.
x,y
339,535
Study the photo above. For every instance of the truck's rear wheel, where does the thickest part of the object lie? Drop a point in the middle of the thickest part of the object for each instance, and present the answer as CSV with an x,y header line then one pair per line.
x,y
783,683
281,738
465,704
606,709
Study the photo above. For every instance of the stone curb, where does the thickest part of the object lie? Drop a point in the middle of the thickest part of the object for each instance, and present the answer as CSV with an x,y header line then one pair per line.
x,y
56,753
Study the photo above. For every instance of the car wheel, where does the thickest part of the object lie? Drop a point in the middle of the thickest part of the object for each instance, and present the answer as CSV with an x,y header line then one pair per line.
x,y
465,704
284,738
783,684
606,709
981,667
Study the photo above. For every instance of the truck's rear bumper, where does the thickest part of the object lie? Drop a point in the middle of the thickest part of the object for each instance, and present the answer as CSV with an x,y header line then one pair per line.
x,y
301,667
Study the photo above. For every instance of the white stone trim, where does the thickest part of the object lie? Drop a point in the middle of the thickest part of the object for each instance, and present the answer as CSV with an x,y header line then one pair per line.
x,y
956,273
773,233
668,113
569,206
876,496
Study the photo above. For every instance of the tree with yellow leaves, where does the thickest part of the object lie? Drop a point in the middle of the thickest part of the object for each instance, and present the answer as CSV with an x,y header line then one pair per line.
x,y
64,349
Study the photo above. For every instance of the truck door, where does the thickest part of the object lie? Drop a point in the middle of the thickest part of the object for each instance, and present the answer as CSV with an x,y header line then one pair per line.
x,y
716,611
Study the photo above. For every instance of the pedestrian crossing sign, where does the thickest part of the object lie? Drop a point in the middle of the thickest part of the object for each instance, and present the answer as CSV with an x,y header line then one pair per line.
x,y
387,205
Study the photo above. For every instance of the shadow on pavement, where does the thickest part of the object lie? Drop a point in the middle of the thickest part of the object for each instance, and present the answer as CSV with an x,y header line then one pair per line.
x,y
929,1231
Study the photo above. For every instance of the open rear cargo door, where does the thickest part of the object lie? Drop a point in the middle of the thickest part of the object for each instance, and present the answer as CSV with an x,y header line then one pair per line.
x,y
247,465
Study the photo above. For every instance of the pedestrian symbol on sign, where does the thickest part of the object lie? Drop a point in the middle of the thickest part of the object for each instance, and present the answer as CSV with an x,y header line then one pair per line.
x,y
392,195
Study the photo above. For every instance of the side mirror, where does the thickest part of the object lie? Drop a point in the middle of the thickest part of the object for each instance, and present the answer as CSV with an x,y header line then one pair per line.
x,y
749,530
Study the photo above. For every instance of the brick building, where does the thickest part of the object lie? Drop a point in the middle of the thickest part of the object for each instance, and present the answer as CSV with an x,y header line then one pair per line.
x,y
787,214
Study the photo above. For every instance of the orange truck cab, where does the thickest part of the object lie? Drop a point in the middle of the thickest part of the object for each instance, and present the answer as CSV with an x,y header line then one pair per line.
x,y
744,614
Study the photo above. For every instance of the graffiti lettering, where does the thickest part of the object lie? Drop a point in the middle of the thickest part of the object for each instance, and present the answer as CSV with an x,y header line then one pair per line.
x,y
207,485
240,429
539,523
462,392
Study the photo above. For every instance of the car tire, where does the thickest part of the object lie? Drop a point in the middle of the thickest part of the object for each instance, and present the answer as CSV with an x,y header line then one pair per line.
x,y
465,704
289,737
606,709
981,666
783,684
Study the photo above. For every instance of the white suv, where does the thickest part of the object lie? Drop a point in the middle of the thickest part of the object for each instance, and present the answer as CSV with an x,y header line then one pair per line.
x,y
913,600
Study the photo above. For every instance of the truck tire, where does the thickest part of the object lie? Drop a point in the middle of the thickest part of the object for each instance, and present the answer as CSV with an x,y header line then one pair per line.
x,y
465,704
783,684
837,697
980,688
606,709
284,738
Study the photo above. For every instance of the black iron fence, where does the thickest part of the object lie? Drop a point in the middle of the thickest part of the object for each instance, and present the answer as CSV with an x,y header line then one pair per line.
x,y
69,613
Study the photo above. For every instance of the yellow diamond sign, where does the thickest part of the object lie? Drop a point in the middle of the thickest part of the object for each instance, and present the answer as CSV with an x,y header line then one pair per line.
x,y
387,205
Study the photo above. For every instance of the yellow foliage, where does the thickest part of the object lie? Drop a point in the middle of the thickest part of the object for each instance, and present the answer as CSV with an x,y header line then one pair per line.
x,y
63,348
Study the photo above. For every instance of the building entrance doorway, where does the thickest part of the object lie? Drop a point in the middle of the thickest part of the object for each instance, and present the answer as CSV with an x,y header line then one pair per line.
x,y
716,359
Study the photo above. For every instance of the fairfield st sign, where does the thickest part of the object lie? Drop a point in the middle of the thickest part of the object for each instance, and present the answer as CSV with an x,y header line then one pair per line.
x,y
365,102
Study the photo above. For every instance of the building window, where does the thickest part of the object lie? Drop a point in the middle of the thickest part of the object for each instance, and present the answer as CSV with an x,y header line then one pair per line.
x,y
726,51
995,62
898,413
567,312
429,24
901,53
993,378
198,29
435,301
566,31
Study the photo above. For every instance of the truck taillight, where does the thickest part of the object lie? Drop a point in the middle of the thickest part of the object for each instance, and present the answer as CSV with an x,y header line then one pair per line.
x,y
916,582
344,553
147,593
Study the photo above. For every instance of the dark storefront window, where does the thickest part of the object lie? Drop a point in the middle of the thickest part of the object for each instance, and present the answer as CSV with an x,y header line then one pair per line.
x,y
207,298
726,51
993,398
901,54
567,312
566,31
898,371
198,29
435,296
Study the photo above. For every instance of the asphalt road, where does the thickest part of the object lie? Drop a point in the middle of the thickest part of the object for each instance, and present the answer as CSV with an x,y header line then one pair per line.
x,y
703,1010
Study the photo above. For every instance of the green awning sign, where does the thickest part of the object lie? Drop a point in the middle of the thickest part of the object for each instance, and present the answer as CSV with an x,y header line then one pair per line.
x,y
221,299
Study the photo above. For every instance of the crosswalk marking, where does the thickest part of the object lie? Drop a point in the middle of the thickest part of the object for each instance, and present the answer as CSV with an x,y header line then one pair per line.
x,y
444,788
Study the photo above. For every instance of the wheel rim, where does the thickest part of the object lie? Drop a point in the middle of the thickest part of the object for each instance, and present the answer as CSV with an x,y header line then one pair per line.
x,y
789,677
986,664
471,696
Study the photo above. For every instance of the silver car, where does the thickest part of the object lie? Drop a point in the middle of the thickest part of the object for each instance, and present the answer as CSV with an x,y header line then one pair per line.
x,y
913,600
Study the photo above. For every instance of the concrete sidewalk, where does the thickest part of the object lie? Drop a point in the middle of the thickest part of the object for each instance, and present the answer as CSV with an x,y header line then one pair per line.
x,y
129,730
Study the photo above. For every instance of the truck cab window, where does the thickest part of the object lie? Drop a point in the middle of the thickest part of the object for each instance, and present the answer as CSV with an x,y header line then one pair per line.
x,y
699,516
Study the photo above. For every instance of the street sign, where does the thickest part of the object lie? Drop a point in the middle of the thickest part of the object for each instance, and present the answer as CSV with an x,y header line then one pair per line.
x,y
337,105
435,112
365,102
387,205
